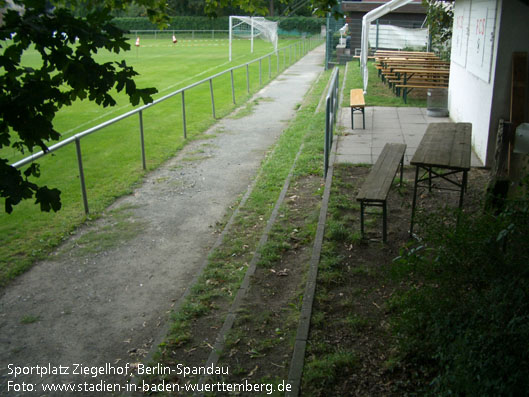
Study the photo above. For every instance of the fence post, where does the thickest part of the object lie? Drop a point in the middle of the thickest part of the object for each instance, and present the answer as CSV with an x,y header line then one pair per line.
x,y
212,97
232,87
248,78
376,46
260,72
326,143
81,174
184,114
144,163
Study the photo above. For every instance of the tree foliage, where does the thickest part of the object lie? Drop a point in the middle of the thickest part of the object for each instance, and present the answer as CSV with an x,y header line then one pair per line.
x,y
31,96
440,19
67,34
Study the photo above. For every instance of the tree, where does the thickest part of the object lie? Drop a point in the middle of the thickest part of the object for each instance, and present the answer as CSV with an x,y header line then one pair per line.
x,y
31,97
261,7
439,18
67,34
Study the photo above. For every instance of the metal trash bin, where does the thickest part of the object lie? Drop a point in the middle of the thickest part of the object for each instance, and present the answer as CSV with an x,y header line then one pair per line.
x,y
437,102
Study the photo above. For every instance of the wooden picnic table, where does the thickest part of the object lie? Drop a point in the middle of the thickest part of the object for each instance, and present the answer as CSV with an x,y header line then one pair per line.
x,y
405,54
444,152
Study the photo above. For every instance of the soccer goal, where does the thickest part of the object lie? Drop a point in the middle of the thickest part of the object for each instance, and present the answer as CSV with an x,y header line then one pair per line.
x,y
251,27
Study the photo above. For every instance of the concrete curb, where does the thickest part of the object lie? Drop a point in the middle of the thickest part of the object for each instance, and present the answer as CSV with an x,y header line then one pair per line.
x,y
298,356
241,293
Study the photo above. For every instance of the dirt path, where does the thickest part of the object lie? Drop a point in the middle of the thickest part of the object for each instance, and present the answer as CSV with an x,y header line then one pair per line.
x,y
103,298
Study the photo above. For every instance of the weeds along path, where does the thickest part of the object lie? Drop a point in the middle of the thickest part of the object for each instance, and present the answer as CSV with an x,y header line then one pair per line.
x,y
243,311
103,298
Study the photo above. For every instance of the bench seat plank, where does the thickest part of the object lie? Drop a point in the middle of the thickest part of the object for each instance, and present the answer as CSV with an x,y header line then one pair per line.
x,y
374,191
357,97
357,102
379,180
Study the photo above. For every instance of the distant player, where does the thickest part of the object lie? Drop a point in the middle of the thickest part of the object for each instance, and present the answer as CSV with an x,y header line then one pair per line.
x,y
174,39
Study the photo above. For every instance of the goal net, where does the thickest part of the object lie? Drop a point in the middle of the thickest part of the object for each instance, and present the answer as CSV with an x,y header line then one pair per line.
x,y
252,27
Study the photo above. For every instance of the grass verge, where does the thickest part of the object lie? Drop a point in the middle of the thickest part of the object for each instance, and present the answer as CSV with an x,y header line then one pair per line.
x,y
28,235
378,94
258,346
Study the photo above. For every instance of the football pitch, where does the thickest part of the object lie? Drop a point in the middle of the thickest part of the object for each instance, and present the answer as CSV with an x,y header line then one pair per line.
x,y
112,156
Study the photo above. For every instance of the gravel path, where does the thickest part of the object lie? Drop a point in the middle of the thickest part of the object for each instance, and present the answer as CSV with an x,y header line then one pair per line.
x,y
103,307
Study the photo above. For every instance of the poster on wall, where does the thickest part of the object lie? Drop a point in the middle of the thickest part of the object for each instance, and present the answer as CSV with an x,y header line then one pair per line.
x,y
460,32
481,38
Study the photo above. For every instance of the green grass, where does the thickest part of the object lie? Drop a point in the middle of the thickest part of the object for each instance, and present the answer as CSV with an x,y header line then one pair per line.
x,y
112,157
227,264
378,94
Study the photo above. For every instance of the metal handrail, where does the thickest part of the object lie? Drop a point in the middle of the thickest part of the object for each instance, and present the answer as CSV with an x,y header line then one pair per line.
x,y
303,49
331,109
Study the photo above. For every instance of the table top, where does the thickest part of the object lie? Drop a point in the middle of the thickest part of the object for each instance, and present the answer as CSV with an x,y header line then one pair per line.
x,y
439,71
445,145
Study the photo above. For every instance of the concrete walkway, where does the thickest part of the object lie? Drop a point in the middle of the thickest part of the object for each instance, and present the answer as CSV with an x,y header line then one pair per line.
x,y
107,309
384,125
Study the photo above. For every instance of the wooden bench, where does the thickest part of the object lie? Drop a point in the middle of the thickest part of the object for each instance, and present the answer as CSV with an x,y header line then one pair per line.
x,y
407,88
374,191
357,103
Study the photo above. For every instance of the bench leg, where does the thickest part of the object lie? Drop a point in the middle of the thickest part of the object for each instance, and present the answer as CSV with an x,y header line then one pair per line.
x,y
401,169
362,208
352,118
384,223
364,117
414,202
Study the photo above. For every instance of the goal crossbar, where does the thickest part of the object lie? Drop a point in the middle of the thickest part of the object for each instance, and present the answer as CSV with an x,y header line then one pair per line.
x,y
259,27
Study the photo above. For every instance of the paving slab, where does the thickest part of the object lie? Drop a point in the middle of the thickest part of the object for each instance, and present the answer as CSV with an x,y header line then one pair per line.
x,y
384,125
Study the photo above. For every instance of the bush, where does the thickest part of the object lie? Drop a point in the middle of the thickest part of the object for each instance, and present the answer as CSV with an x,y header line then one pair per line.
x,y
299,24
464,323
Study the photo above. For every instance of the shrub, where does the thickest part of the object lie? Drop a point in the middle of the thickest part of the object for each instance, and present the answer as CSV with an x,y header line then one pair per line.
x,y
298,24
464,322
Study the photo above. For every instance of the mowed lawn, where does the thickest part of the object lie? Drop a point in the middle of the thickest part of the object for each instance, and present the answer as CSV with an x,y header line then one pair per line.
x,y
112,156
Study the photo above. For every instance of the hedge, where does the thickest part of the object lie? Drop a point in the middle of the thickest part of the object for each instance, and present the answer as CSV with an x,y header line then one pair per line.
x,y
300,24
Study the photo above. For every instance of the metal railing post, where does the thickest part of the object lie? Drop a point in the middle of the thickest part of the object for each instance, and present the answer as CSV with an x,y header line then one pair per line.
x,y
248,78
232,87
260,72
212,97
326,143
142,140
81,174
184,114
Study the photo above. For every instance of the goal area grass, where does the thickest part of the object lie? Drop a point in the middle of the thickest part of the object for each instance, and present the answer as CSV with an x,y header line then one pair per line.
x,y
112,157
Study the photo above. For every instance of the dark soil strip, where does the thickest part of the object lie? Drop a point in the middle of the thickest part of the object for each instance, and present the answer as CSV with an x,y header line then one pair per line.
x,y
298,356
237,302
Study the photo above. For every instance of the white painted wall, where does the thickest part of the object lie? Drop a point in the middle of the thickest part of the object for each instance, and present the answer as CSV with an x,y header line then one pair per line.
x,y
479,92
472,68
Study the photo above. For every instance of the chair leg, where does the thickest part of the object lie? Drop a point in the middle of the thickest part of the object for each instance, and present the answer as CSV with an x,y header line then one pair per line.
x,y
352,119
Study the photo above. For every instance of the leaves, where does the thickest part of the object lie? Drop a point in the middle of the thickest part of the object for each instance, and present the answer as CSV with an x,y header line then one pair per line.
x,y
31,97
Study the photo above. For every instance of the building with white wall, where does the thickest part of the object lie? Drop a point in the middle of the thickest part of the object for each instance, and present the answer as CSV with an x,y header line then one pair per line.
x,y
486,33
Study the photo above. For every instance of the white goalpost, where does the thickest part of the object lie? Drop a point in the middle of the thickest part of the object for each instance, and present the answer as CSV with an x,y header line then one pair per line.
x,y
250,27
